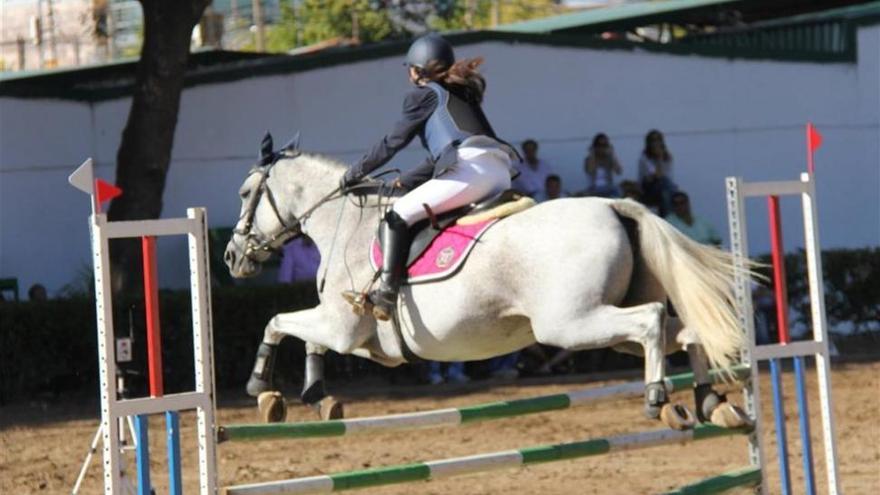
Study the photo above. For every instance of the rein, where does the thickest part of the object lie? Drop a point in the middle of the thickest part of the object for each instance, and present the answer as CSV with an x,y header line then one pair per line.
x,y
252,243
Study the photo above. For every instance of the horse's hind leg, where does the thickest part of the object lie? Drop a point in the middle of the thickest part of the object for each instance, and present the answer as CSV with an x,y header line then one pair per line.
x,y
711,406
606,326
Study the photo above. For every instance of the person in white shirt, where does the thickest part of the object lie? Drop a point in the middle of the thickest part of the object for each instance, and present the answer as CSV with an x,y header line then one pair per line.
x,y
533,171
690,225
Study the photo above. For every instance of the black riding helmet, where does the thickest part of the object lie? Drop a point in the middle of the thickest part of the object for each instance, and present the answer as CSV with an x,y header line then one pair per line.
x,y
430,48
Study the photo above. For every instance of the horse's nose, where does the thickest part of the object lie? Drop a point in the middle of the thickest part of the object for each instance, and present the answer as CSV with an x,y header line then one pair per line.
x,y
229,257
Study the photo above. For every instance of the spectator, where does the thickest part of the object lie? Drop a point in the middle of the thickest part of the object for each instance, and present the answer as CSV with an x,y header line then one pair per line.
x,y
37,293
764,304
299,261
691,225
533,171
655,173
601,165
504,367
552,189
454,373
631,190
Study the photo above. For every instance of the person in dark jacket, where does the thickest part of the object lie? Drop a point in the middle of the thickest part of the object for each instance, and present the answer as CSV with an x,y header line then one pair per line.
x,y
466,161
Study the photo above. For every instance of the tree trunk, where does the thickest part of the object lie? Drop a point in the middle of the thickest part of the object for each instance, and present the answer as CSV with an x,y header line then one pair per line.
x,y
145,152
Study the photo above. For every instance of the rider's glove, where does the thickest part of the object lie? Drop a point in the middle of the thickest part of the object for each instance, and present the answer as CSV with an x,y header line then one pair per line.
x,y
350,178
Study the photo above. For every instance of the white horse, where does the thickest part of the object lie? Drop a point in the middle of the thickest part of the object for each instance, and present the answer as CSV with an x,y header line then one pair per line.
x,y
563,273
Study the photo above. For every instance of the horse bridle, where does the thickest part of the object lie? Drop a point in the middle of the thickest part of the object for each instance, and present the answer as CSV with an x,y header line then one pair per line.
x,y
253,243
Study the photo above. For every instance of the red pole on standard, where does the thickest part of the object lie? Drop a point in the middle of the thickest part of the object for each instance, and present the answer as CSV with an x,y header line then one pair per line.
x,y
781,289
151,299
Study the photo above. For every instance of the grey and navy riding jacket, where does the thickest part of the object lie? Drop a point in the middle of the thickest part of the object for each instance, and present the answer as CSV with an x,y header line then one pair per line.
x,y
442,118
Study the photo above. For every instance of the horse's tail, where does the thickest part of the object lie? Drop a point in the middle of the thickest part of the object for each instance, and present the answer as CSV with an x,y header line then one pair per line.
x,y
697,278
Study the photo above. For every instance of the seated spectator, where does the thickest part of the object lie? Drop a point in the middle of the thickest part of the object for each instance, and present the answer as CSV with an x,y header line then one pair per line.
x,y
299,261
601,165
454,373
764,304
504,367
533,171
691,225
37,293
552,189
630,189
655,173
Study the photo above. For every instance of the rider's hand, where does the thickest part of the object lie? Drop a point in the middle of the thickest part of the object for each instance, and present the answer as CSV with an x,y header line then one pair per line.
x,y
349,179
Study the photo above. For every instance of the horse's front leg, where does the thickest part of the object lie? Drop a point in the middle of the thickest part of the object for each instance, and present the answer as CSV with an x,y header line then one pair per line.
x,y
319,333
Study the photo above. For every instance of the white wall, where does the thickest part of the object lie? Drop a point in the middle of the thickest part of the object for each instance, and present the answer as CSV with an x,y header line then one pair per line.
x,y
721,117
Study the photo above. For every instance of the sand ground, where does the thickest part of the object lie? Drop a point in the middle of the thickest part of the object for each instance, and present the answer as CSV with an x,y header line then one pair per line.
x,y
42,448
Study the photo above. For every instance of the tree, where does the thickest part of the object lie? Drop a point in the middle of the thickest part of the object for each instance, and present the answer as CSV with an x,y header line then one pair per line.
x,y
145,152
314,21
478,14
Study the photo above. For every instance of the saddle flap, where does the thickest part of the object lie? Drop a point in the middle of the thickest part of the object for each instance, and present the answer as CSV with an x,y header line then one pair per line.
x,y
445,251
423,232
437,252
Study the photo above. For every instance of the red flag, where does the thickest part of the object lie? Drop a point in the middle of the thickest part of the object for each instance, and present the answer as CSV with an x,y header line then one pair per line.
x,y
814,139
105,191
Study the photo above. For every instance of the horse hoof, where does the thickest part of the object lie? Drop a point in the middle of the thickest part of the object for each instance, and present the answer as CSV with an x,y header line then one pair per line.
x,y
330,408
678,417
272,407
728,415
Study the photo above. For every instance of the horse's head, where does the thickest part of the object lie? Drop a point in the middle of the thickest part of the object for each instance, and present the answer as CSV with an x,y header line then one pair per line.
x,y
277,195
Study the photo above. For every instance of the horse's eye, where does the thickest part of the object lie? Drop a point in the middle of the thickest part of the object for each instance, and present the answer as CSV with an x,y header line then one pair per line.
x,y
244,194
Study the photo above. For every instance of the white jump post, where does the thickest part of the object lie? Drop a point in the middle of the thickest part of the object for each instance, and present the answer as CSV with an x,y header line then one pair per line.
x,y
194,226
737,192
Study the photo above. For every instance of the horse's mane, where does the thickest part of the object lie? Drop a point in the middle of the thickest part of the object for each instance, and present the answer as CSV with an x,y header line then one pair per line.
x,y
371,195
322,160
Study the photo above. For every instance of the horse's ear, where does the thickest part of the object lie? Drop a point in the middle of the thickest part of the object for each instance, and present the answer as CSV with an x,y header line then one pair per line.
x,y
266,154
292,146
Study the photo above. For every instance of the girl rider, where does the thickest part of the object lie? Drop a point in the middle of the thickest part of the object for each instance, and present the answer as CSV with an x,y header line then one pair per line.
x,y
466,161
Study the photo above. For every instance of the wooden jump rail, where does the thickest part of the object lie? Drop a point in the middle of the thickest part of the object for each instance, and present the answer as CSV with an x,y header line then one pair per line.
x,y
432,470
750,476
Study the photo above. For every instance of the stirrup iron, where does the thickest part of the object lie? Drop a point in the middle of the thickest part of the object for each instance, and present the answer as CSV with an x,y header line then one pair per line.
x,y
360,303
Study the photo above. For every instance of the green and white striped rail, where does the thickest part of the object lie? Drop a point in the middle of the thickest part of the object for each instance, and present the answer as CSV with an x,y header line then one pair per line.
x,y
454,416
750,476
433,470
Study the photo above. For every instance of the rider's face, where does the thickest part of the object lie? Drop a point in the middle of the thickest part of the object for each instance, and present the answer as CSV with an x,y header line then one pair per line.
x,y
413,75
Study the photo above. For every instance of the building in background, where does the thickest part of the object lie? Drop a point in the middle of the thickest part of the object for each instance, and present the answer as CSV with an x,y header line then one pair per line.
x,y
46,34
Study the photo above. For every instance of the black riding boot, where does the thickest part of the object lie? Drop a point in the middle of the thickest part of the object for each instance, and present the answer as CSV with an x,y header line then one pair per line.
x,y
395,249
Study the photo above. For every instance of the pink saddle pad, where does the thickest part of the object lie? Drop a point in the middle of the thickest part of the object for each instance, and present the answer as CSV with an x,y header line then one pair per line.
x,y
443,256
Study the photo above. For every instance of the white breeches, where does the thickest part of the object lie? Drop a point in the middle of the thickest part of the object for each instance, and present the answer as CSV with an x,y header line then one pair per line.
x,y
479,173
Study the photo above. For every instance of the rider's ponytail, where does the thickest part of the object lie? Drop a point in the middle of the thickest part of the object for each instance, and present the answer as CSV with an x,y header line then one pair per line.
x,y
463,75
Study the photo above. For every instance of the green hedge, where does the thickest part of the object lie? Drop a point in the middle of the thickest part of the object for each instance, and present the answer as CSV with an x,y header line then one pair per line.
x,y
852,291
49,348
